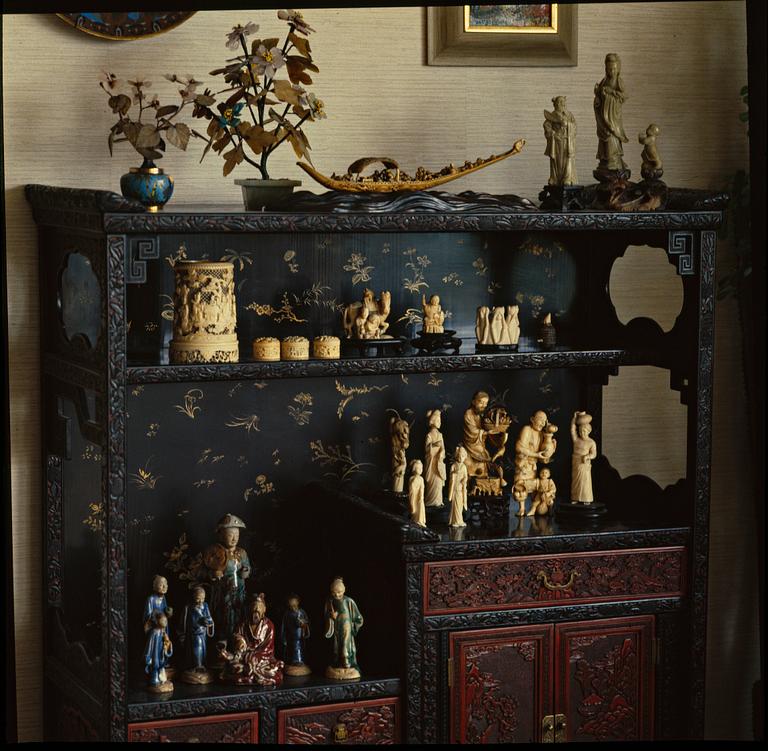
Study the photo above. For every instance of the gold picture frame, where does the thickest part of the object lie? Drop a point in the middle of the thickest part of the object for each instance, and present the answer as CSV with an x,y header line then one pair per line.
x,y
451,40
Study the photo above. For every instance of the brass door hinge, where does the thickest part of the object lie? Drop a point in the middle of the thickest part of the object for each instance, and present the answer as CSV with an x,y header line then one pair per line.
x,y
548,729
450,672
656,651
560,728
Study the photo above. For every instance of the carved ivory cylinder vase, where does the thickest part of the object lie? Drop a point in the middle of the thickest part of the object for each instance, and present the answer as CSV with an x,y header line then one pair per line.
x,y
204,313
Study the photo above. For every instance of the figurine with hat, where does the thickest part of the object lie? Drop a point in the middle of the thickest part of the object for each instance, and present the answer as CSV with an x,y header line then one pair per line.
x,y
228,567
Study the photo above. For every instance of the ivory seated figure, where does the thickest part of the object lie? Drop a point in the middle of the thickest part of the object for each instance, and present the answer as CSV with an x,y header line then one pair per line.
x,y
544,495
434,315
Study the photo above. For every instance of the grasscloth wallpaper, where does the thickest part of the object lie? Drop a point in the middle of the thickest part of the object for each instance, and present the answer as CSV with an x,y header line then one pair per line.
x,y
683,66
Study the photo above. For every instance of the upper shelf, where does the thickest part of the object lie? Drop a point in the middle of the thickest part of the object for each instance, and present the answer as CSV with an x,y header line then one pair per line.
x,y
250,370
432,211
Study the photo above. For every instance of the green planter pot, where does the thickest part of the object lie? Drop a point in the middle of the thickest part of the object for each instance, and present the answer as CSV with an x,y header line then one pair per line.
x,y
259,195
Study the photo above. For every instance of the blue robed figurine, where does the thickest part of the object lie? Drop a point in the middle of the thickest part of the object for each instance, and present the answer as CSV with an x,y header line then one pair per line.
x,y
197,625
343,620
294,630
158,650
156,602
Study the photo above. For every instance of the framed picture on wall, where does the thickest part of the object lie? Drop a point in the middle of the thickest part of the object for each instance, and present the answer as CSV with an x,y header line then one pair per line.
x,y
541,34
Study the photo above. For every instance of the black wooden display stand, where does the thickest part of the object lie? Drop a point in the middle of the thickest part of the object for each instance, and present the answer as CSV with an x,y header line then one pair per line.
x,y
142,457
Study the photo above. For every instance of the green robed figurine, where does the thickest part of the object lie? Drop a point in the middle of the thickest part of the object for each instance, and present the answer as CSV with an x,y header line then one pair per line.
x,y
343,620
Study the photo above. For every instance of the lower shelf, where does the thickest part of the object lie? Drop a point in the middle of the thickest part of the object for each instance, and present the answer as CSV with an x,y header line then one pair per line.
x,y
219,699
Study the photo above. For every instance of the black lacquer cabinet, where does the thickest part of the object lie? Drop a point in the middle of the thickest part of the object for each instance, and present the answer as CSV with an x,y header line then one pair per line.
x,y
532,630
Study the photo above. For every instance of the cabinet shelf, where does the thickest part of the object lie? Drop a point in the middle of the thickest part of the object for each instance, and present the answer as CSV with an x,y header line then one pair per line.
x,y
162,372
204,700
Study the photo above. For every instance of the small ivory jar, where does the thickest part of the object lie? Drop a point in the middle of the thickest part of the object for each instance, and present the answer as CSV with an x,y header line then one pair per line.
x,y
294,348
266,349
326,347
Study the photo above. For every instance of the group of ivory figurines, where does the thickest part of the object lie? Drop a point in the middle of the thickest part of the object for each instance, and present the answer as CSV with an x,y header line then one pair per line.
x,y
244,638
476,468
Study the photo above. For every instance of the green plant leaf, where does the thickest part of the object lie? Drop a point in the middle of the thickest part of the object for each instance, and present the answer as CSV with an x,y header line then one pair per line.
x,y
148,137
169,109
204,100
178,136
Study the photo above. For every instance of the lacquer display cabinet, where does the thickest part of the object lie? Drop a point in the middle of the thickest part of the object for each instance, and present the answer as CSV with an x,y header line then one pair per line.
x,y
525,630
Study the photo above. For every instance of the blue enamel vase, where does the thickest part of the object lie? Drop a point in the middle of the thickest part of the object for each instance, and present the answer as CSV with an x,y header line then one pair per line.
x,y
147,184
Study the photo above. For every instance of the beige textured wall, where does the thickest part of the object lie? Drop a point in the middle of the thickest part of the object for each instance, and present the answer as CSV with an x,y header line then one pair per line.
x,y
683,64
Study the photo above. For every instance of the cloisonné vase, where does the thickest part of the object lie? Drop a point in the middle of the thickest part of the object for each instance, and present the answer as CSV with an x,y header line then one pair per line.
x,y
147,184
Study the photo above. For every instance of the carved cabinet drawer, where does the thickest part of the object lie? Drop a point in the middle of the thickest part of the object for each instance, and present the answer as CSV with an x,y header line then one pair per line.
x,y
372,722
231,728
543,581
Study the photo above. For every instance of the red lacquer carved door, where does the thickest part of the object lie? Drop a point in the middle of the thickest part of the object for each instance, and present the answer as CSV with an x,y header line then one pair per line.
x,y
604,673
500,684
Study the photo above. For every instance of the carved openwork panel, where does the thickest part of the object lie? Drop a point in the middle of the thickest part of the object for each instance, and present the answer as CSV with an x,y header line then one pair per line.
x,y
543,581
235,728
500,684
604,687
366,722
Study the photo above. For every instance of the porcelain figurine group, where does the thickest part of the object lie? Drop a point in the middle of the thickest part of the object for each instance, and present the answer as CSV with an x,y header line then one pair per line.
x,y
244,638
476,469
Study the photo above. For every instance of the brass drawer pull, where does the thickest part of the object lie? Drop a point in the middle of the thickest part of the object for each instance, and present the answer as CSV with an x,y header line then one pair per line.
x,y
557,587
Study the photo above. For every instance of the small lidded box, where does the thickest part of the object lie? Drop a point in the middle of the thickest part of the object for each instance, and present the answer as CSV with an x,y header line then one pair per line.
x,y
326,347
294,348
266,349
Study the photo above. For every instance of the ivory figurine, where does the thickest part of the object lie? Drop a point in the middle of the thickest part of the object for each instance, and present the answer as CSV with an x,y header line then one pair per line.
x,y
457,488
485,439
368,319
482,325
548,442
416,494
528,451
512,325
584,451
399,432
544,496
498,325
434,461
434,316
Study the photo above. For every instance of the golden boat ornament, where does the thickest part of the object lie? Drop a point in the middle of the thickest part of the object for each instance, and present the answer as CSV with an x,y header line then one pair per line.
x,y
391,178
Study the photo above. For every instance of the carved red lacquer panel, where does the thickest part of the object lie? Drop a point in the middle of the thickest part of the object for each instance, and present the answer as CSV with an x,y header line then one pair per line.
x,y
234,728
538,581
374,722
500,684
604,676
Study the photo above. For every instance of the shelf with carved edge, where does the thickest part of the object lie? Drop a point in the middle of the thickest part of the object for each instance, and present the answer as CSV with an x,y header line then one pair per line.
x,y
220,698
420,211
248,369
